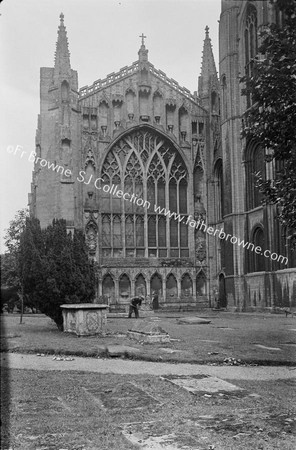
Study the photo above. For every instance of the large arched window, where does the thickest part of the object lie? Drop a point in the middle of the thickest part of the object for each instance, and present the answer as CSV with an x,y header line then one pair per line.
x,y
251,44
257,258
218,190
224,111
254,165
152,177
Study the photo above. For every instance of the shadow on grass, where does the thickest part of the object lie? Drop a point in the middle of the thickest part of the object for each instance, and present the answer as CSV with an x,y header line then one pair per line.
x,y
5,396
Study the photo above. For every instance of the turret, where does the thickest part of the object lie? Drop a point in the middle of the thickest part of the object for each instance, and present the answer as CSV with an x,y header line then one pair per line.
x,y
208,85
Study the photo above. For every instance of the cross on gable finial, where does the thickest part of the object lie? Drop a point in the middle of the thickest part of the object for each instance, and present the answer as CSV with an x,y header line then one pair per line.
x,y
143,37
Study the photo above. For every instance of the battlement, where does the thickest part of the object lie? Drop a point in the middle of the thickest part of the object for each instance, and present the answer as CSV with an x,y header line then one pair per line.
x,y
126,71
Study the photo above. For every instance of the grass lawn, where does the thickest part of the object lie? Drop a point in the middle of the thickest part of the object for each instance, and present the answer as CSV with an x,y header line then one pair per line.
x,y
228,335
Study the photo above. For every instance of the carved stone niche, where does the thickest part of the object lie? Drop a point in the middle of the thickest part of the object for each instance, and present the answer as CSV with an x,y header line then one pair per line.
x,y
89,204
65,132
85,116
200,246
93,118
104,130
91,230
144,89
145,118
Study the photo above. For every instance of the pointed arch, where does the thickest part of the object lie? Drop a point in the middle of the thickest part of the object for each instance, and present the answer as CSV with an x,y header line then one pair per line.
x,y
152,174
186,285
108,288
218,190
65,91
250,43
157,106
140,285
156,283
254,164
171,286
124,286
201,283
257,260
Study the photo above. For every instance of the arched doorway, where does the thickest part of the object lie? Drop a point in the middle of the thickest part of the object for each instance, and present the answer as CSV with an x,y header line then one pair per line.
x,y
222,292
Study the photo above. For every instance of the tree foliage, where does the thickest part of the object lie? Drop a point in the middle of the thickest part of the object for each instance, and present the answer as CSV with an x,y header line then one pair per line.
x,y
9,265
272,118
55,268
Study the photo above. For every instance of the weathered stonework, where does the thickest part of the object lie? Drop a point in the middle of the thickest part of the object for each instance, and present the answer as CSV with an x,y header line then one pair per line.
x,y
139,133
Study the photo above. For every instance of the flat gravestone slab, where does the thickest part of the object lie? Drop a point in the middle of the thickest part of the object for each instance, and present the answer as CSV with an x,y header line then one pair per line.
x,y
149,332
193,321
203,383
124,396
159,436
165,442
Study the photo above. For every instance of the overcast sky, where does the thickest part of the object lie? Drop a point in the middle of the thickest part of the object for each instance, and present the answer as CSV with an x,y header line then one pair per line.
x,y
103,37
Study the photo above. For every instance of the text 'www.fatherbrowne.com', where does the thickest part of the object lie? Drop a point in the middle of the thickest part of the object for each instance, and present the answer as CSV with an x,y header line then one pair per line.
x,y
201,225
114,190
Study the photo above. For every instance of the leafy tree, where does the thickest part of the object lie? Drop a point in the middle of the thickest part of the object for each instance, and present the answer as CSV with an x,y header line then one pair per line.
x,y
55,268
271,120
10,279
9,267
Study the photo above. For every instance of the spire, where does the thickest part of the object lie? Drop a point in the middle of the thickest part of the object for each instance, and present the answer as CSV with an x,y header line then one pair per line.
x,y
62,56
208,68
143,52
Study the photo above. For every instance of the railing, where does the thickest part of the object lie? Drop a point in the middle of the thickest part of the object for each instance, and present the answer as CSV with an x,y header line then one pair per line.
x,y
129,70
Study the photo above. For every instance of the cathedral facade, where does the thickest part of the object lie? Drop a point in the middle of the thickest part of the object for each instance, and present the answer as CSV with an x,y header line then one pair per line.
x,y
154,176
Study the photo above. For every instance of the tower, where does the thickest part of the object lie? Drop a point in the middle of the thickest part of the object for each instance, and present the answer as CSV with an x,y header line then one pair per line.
x,y
57,144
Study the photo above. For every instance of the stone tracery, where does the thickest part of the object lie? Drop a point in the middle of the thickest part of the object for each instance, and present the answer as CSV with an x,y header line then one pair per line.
x,y
146,167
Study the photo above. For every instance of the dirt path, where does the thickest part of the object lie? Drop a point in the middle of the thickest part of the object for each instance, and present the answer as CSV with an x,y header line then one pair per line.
x,y
120,366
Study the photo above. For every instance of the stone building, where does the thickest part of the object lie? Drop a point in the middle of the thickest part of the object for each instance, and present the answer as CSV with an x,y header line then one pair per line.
x,y
250,280
149,172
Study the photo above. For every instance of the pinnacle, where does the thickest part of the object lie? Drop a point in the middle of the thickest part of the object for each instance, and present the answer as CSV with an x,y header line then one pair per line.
x,y
62,54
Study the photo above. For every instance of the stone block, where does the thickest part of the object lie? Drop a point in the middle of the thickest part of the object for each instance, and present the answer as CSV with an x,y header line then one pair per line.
x,y
84,319
193,321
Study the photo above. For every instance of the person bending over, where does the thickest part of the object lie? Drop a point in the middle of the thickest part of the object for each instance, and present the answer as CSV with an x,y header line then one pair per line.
x,y
134,306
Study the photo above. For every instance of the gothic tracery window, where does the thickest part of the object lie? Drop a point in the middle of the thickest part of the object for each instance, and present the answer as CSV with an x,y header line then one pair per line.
x,y
254,165
251,44
150,172
218,190
257,260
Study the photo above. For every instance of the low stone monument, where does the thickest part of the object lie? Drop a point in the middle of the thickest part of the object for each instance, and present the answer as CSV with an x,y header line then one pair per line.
x,y
149,332
84,319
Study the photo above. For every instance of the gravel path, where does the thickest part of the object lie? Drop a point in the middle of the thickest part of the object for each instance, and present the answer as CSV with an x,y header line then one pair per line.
x,y
120,366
